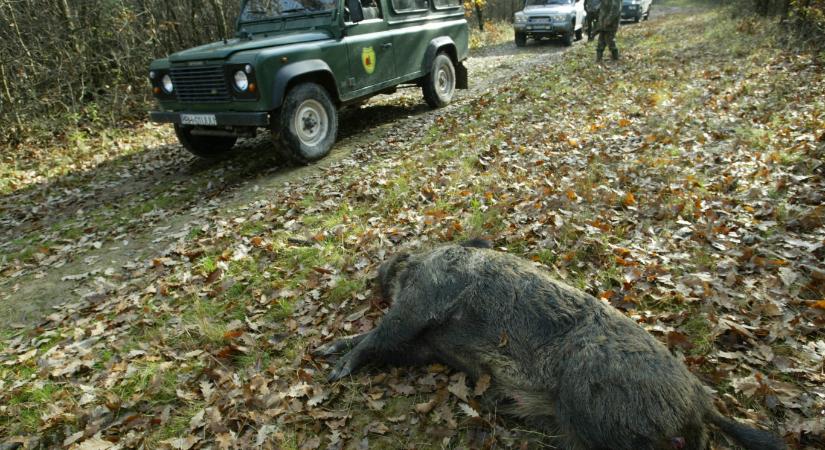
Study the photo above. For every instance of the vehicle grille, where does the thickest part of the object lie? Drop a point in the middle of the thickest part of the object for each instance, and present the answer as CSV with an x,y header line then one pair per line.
x,y
541,19
201,84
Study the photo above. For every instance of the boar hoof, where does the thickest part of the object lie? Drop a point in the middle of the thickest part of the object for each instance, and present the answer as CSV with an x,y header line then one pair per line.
x,y
341,370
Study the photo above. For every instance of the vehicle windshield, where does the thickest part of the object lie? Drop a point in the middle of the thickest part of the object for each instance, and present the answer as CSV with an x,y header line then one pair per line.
x,y
258,10
548,2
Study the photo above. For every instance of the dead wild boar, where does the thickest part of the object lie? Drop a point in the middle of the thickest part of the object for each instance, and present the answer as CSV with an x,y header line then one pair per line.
x,y
558,358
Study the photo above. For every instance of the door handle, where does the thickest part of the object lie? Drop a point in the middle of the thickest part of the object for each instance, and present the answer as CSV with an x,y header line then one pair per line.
x,y
386,45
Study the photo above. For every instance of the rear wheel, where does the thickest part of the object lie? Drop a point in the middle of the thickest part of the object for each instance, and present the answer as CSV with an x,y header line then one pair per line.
x,y
306,127
203,146
439,84
521,39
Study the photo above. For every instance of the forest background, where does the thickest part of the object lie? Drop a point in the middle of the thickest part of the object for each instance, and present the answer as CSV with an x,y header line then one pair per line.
x,y
71,68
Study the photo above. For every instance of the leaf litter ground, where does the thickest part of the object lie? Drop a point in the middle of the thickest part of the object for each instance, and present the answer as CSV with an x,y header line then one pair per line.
x,y
683,186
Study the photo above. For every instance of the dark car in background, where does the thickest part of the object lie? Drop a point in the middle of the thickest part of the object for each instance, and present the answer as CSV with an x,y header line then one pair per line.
x,y
636,10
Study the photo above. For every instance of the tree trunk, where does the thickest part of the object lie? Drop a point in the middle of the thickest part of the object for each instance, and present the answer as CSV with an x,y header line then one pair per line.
x,y
170,8
217,6
8,95
13,24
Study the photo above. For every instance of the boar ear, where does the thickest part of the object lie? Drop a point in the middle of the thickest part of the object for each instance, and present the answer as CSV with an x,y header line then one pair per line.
x,y
477,243
389,270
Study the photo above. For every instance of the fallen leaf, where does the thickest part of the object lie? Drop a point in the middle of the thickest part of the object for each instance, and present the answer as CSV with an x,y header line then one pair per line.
x,y
459,387
468,410
94,444
482,385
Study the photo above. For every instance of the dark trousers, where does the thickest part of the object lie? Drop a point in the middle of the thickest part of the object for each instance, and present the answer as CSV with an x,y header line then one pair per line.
x,y
590,20
607,38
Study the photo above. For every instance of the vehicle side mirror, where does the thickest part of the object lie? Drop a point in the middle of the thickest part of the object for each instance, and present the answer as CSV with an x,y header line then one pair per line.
x,y
356,13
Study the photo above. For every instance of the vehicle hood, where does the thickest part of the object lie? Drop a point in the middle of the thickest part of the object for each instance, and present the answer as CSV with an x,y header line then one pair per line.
x,y
548,9
223,49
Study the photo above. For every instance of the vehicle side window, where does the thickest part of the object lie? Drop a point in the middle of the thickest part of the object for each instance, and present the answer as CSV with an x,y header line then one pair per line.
x,y
372,10
408,5
446,4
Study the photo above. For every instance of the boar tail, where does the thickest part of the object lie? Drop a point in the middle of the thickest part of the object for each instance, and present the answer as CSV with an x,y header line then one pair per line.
x,y
748,437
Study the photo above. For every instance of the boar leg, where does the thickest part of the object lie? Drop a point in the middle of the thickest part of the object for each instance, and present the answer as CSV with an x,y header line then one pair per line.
x,y
398,337
368,351
340,346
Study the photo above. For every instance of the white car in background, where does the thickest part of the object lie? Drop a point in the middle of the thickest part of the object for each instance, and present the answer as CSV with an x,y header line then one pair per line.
x,y
550,19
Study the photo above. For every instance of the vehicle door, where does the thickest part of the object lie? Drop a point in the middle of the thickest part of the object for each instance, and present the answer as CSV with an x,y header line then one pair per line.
x,y
370,49
409,19
579,8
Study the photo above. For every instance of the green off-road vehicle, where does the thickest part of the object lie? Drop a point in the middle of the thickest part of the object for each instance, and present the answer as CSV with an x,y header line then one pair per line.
x,y
294,63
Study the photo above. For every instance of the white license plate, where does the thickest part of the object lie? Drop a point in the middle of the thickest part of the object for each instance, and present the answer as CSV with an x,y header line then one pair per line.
x,y
198,119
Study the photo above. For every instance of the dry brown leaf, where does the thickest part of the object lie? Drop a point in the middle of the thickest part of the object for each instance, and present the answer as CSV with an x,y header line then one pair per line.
x,y
181,443
425,408
403,389
482,385
94,443
459,387
311,443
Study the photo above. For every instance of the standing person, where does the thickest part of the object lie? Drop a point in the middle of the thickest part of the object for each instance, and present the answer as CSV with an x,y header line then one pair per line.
x,y
610,11
591,7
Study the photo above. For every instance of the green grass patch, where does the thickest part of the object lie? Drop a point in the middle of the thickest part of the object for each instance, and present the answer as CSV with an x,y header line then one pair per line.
x,y
148,381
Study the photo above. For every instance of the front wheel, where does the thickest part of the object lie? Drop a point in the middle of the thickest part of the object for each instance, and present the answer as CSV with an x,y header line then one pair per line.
x,y
307,124
521,39
439,84
204,146
580,34
569,38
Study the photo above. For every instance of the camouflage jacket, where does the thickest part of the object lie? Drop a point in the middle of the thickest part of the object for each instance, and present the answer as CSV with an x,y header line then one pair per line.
x,y
592,7
610,11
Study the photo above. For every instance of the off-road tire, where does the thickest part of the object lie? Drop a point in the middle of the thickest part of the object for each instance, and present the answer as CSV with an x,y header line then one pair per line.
x,y
647,14
307,124
206,147
439,84
569,38
580,34
637,18
521,39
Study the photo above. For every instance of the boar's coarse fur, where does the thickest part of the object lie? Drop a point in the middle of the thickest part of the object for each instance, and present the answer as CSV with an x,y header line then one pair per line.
x,y
558,358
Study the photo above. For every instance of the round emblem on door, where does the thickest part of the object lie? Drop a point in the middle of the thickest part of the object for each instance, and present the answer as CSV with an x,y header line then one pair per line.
x,y
368,59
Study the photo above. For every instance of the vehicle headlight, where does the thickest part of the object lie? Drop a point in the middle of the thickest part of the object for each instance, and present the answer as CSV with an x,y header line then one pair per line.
x,y
241,81
521,18
166,83
558,18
